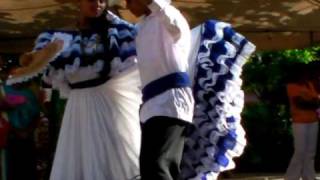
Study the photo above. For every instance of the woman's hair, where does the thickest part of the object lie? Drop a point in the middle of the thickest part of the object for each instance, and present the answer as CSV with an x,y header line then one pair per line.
x,y
101,25
101,22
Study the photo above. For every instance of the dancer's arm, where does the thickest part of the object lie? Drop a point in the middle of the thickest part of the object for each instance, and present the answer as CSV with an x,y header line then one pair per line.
x,y
306,103
169,17
37,60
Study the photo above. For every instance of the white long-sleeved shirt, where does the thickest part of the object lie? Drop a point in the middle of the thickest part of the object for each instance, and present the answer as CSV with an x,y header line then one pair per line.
x,y
163,45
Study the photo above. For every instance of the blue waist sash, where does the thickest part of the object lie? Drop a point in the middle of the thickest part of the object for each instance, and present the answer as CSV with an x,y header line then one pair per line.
x,y
156,87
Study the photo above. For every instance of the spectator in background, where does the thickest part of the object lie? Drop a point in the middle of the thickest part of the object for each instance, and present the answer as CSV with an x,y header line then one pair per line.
x,y
20,107
54,109
304,101
21,143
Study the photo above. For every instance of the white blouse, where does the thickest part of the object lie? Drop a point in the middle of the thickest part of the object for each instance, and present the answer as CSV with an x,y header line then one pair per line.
x,y
163,44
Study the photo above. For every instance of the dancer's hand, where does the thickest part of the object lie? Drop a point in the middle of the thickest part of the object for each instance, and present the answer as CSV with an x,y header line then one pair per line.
x,y
36,61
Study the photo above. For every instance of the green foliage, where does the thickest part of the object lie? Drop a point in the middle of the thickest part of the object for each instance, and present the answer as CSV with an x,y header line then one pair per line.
x,y
304,56
267,123
268,69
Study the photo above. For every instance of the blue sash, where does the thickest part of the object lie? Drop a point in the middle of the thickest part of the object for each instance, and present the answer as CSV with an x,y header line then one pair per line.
x,y
174,80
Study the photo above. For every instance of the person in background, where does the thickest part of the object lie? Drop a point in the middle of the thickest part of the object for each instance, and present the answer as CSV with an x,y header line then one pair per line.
x,y
304,102
20,108
21,143
54,108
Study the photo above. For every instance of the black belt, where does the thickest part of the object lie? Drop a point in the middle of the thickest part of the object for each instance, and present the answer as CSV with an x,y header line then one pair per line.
x,y
88,83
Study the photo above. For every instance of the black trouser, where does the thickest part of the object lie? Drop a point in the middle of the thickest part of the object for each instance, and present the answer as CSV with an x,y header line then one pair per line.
x,y
21,158
161,149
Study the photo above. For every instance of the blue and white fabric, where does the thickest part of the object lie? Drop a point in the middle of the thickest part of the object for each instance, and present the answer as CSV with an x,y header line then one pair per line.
x,y
217,136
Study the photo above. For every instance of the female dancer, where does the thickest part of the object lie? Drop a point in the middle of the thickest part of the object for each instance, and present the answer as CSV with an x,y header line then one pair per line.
x,y
94,65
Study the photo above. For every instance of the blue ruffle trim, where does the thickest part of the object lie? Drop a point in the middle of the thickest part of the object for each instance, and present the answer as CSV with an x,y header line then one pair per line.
x,y
121,40
218,136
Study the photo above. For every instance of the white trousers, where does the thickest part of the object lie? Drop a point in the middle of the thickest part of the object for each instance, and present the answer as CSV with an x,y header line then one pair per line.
x,y
305,145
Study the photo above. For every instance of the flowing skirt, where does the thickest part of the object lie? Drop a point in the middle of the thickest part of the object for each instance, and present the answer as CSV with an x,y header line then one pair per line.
x,y
100,134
